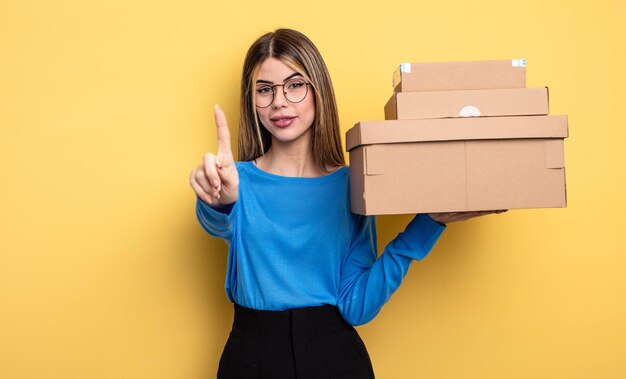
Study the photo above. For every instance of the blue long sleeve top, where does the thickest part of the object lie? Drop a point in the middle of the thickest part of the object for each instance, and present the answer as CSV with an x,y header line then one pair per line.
x,y
293,243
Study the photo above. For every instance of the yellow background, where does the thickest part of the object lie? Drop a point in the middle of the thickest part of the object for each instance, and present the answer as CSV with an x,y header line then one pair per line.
x,y
105,106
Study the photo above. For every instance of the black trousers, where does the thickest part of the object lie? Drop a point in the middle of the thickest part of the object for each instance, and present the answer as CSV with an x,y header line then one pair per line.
x,y
306,343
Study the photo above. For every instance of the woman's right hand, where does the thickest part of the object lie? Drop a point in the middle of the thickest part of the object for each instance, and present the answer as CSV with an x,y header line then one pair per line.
x,y
216,180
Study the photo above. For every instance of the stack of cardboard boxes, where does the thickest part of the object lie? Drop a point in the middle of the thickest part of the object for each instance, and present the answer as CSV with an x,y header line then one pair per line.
x,y
459,136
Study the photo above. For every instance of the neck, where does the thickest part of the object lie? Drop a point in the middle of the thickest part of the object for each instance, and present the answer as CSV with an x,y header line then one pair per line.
x,y
290,159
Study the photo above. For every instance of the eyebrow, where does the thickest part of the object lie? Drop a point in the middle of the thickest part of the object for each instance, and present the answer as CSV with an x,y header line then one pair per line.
x,y
284,80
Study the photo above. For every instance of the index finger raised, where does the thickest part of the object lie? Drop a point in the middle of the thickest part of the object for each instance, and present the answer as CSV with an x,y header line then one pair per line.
x,y
223,134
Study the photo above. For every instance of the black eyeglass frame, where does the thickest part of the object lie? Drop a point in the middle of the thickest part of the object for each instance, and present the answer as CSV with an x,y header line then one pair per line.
x,y
273,87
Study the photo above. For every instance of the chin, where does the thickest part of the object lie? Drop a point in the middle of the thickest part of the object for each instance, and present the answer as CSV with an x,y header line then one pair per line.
x,y
290,134
286,136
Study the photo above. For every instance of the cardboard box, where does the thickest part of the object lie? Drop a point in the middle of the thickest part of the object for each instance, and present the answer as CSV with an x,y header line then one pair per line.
x,y
450,76
467,103
446,165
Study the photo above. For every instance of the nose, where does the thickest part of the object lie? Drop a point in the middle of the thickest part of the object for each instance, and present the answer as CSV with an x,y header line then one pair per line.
x,y
279,97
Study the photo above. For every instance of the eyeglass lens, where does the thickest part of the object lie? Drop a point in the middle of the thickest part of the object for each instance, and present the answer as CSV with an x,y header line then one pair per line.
x,y
295,90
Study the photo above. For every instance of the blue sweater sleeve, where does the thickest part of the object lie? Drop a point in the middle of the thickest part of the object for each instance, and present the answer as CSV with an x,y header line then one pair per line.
x,y
366,282
218,222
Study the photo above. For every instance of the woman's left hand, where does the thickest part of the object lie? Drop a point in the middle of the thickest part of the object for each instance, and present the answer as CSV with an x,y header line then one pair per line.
x,y
447,217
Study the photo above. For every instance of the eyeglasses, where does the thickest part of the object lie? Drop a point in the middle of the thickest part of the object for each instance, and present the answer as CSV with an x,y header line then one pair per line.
x,y
295,91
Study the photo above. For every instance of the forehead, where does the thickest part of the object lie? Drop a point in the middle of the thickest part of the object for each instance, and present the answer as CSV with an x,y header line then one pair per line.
x,y
274,70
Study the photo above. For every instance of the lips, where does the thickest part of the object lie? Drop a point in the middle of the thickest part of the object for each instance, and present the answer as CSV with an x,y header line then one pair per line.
x,y
282,121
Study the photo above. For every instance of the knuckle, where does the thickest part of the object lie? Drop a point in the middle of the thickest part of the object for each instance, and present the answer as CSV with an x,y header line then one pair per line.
x,y
199,175
208,156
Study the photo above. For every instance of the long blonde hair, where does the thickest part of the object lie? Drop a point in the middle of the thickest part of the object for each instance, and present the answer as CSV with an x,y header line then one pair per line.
x,y
299,53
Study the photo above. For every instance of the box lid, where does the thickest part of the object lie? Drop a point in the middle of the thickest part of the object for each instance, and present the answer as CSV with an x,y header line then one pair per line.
x,y
453,129
445,76
468,103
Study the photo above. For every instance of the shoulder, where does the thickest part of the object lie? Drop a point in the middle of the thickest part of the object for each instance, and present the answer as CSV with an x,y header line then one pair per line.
x,y
243,166
337,169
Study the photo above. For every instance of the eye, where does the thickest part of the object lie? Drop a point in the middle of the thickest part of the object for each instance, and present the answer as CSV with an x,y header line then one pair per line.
x,y
264,90
296,84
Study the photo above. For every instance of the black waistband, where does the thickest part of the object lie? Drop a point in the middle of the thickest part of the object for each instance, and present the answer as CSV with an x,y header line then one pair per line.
x,y
302,321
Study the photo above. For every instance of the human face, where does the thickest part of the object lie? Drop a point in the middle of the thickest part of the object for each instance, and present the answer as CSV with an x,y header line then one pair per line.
x,y
287,122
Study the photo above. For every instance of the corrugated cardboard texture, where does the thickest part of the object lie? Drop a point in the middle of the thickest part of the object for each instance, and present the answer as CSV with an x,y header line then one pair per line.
x,y
443,104
450,76
417,168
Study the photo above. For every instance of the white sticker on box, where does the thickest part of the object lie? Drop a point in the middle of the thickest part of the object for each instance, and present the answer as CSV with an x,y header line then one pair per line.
x,y
397,75
469,111
518,62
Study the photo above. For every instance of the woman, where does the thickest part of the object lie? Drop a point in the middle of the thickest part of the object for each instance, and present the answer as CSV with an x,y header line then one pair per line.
x,y
302,269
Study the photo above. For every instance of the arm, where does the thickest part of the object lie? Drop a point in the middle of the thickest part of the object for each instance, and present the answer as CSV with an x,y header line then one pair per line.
x,y
366,282
218,222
